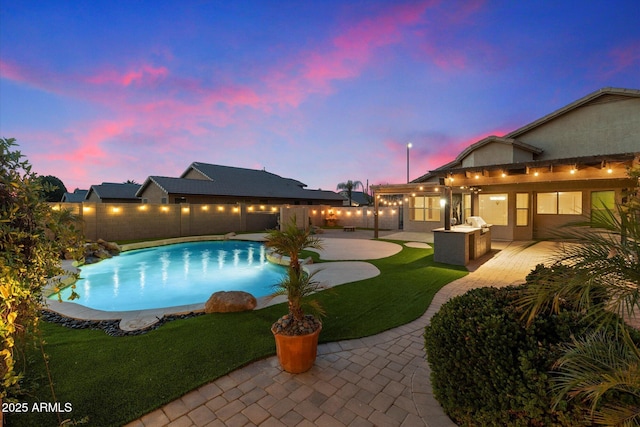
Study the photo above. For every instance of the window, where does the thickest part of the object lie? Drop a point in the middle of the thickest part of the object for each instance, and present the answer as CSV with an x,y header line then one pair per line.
x,y
560,203
570,203
601,200
466,205
522,209
494,208
425,208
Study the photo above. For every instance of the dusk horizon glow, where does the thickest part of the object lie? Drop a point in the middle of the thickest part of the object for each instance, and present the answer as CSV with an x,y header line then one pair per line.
x,y
321,92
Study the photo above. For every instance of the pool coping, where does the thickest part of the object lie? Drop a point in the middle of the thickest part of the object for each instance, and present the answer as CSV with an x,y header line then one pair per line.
x,y
134,320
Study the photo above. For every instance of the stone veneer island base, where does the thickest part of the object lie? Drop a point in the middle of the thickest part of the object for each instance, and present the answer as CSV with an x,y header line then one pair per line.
x,y
460,244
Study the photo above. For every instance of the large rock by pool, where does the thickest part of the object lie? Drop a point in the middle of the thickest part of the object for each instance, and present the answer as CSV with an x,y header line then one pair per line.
x,y
226,302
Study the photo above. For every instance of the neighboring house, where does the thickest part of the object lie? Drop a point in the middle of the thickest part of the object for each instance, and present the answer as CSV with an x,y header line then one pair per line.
x,y
78,196
110,192
358,198
205,183
550,172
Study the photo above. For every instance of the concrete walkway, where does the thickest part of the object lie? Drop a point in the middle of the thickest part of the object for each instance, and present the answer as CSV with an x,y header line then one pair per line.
x,y
382,380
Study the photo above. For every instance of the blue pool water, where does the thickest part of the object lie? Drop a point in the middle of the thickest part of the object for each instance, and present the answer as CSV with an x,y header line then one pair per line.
x,y
173,275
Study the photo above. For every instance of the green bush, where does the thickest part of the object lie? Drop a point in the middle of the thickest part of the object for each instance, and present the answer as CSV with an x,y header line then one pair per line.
x,y
488,368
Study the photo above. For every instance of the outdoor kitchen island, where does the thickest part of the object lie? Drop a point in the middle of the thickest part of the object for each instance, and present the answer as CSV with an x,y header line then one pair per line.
x,y
462,243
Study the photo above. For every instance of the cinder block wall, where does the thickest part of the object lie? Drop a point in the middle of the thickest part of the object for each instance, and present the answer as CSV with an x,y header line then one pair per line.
x,y
133,221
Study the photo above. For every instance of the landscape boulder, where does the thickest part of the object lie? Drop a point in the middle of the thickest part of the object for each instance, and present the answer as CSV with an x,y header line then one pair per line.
x,y
226,302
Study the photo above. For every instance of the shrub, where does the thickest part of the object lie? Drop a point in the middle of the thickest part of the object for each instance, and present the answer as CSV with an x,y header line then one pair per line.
x,y
32,237
488,368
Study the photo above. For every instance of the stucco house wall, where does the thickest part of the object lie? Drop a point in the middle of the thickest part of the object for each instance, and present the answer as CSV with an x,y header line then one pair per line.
x,y
607,126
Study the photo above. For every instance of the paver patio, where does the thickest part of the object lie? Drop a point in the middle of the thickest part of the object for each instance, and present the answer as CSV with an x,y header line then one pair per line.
x,y
382,380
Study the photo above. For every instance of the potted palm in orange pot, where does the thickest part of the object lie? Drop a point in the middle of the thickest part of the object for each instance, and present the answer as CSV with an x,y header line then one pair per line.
x,y
296,334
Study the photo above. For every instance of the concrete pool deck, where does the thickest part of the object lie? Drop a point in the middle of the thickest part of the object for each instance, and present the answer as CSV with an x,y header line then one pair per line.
x,y
330,274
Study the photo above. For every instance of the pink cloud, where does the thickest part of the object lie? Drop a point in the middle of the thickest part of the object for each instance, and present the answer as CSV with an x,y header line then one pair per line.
x,y
12,72
142,75
345,57
31,76
622,58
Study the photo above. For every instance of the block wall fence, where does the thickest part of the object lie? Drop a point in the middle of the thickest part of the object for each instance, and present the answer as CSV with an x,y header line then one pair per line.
x,y
134,221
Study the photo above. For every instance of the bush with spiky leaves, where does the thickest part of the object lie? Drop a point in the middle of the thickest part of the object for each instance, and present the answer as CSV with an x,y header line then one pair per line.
x,y
599,274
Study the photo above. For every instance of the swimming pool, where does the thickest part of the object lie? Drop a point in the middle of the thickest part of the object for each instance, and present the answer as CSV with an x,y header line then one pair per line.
x,y
174,275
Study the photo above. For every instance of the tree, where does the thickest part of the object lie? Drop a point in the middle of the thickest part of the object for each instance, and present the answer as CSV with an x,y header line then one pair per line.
x,y
349,187
52,187
599,273
297,284
30,251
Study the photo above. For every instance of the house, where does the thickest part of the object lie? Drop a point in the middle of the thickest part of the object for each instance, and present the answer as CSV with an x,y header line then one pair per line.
x,y
204,183
111,192
358,198
550,172
78,196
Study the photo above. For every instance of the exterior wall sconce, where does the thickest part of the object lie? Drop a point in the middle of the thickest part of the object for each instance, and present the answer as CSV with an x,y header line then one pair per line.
x,y
236,209
220,208
115,210
205,208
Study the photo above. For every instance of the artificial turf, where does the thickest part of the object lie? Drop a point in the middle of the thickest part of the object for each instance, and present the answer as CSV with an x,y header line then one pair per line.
x,y
114,380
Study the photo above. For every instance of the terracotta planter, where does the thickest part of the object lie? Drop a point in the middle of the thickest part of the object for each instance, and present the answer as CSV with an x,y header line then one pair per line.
x,y
297,353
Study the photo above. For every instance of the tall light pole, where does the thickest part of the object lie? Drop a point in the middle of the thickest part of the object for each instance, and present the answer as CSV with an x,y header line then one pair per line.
x,y
409,145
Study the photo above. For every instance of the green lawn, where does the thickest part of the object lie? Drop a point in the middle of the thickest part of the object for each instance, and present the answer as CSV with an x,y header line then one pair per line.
x,y
113,380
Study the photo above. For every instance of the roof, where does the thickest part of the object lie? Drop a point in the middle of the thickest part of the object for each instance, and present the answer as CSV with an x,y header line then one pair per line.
x,y
493,139
457,163
241,177
238,182
75,197
112,190
359,197
599,95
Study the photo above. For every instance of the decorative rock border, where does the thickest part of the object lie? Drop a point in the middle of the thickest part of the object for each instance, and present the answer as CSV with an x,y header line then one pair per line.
x,y
110,327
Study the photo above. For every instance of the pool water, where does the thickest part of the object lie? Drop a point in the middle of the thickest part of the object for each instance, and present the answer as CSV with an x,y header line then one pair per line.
x,y
174,275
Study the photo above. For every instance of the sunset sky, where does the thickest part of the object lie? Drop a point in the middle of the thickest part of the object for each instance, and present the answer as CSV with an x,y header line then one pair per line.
x,y
318,91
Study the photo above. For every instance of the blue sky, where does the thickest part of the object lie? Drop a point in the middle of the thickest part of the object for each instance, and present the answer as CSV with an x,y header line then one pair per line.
x,y
318,91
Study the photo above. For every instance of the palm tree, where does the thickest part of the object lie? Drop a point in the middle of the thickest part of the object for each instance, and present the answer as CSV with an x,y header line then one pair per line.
x,y
297,284
349,187
599,274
